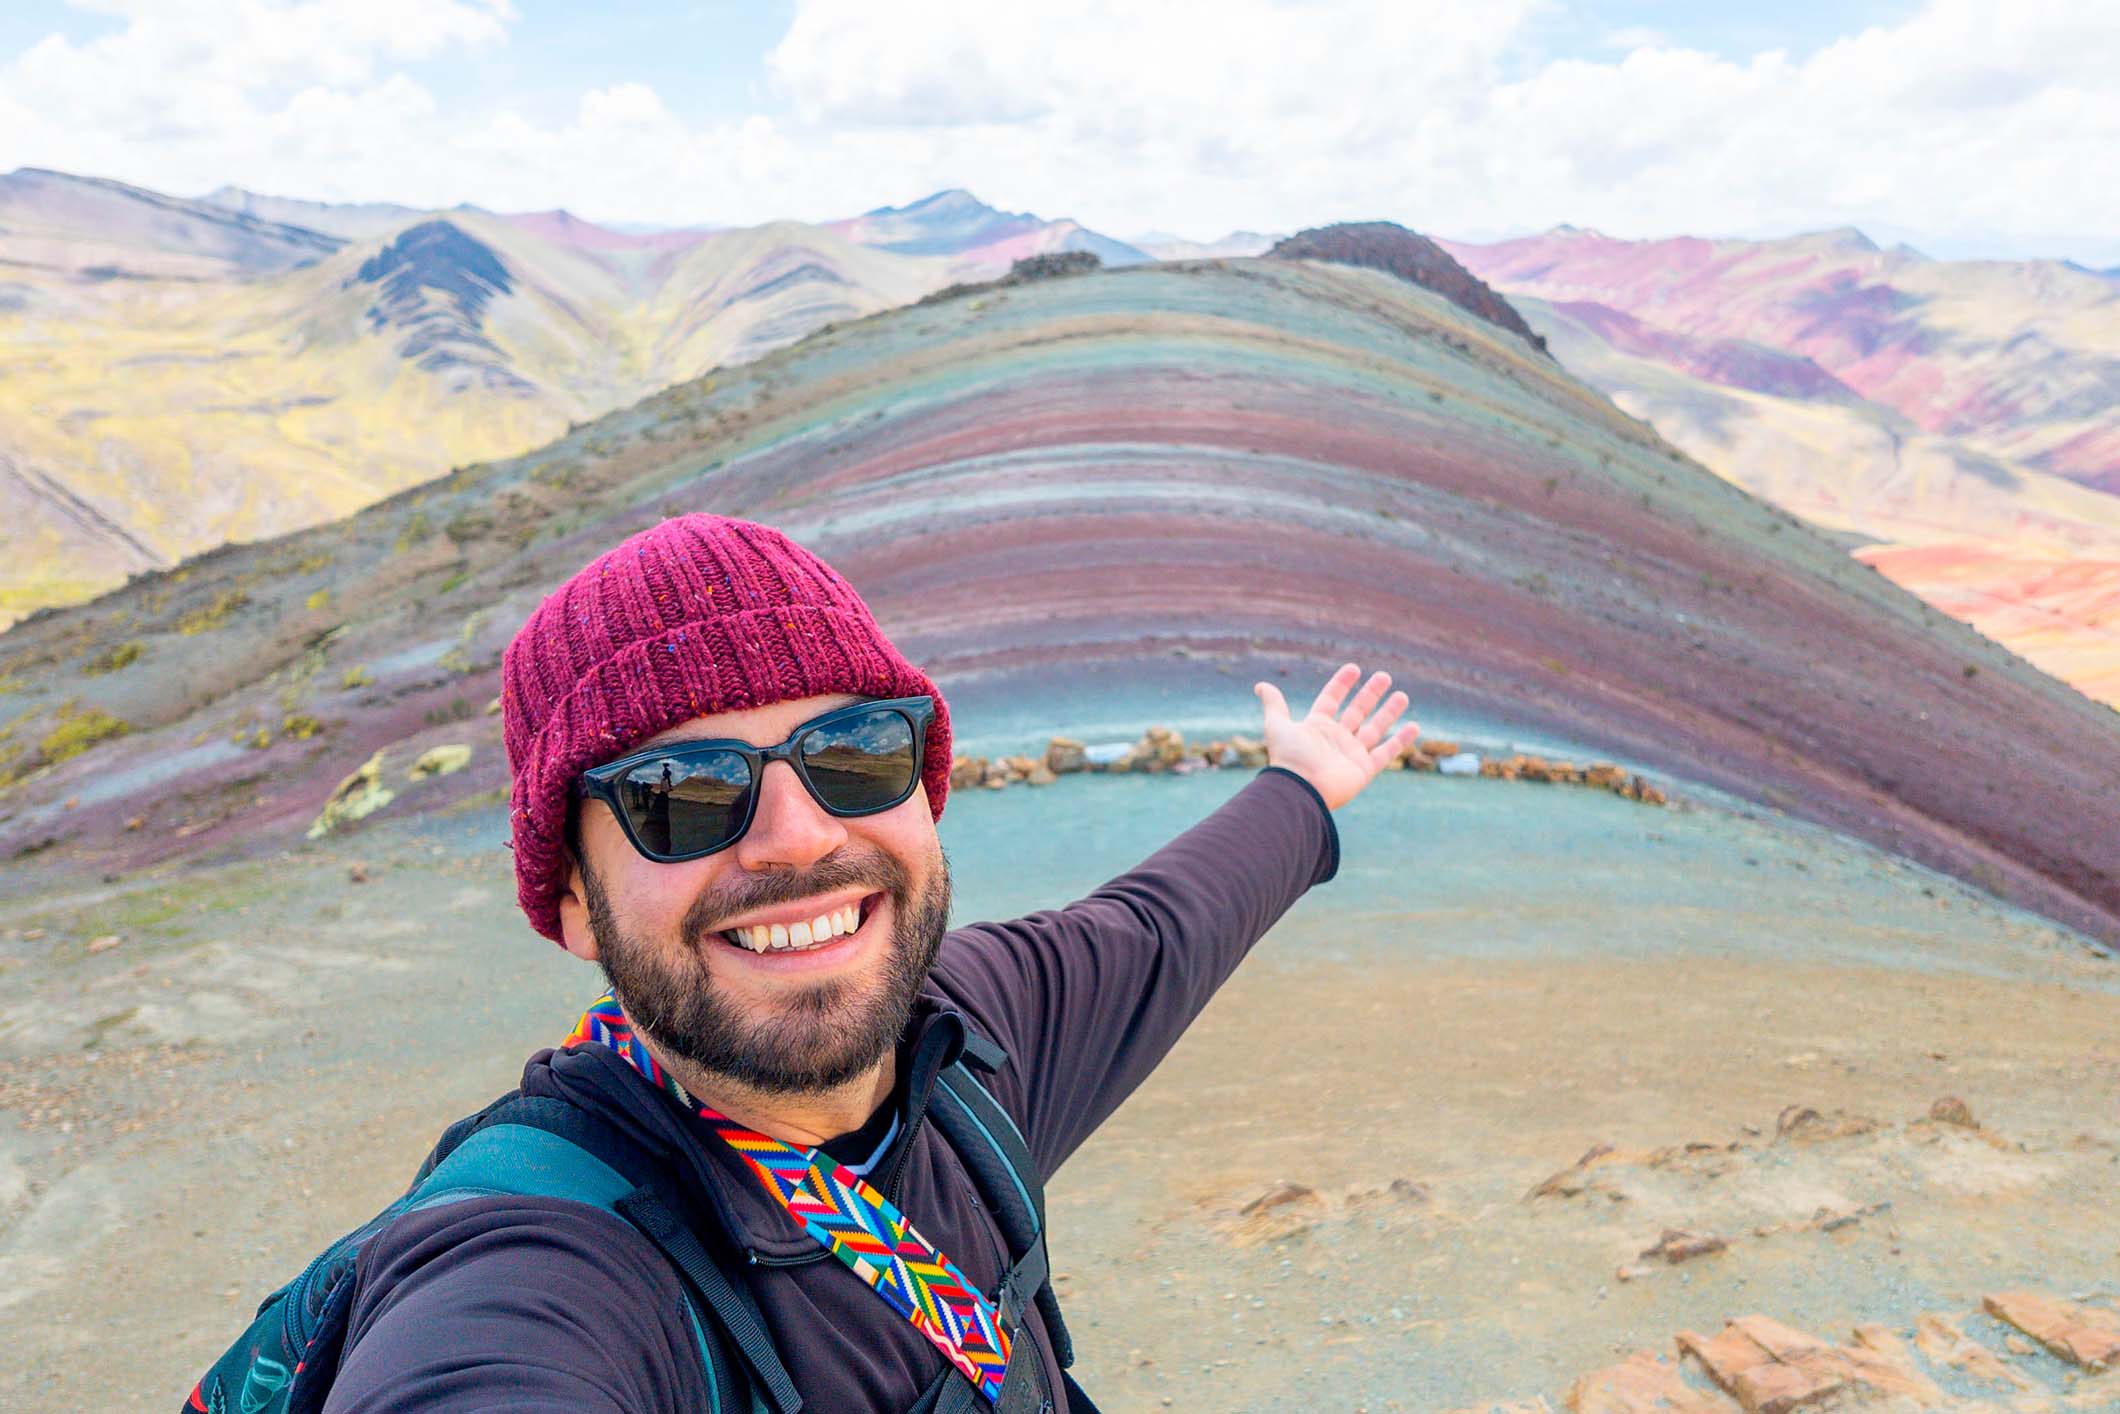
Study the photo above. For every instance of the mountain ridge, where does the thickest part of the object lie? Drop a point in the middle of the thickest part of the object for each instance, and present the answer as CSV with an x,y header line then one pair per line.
x,y
347,220
252,403
1409,256
956,223
1938,342
274,377
62,211
1257,462
1948,400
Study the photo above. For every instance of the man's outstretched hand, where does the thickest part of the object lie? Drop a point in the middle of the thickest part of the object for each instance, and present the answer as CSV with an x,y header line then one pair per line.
x,y
1337,750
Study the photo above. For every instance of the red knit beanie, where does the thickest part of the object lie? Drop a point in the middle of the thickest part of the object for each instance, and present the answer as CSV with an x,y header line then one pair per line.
x,y
697,615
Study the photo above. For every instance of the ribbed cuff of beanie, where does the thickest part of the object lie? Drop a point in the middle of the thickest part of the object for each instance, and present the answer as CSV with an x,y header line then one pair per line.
x,y
753,657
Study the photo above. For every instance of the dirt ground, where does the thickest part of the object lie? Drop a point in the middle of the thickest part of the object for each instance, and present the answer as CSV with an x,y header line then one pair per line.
x,y
1323,1200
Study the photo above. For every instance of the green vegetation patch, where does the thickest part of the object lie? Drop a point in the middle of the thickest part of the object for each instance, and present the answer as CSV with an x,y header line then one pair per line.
x,y
471,525
483,800
458,710
300,726
78,729
212,616
122,656
415,530
173,908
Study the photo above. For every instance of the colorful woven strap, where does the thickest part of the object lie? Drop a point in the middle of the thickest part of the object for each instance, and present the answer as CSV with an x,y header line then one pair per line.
x,y
846,1217
605,1023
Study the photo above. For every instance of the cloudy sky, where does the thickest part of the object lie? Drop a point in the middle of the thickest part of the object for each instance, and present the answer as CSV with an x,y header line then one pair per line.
x,y
1966,127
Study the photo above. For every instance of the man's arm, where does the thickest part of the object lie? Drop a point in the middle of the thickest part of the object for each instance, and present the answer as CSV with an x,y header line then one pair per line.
x,y
1089,998
522,1304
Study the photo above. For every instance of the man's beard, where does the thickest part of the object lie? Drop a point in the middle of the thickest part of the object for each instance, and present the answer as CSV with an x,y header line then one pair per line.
x,y
825,1034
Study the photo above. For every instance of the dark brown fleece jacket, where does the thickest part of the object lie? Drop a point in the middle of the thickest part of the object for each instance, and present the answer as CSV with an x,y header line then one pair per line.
x,y
542,1304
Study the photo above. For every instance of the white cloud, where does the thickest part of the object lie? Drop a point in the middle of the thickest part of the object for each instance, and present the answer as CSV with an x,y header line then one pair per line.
x,y
192,93
1969,116
177,47
1275,115
1634,37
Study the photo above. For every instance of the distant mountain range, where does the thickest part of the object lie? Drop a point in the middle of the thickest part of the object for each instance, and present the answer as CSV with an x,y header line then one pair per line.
x,y
351,221
1957,421
176,374
957,225
1165,246
2020,360
1076,499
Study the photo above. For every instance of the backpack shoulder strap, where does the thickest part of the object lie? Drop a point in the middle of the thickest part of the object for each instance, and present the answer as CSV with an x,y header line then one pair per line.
x,y
999,1159
458,1131
732,1304
545,1147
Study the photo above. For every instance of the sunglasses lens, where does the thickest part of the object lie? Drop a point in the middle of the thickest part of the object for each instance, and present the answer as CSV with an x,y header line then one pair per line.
x,y
685,806
863,763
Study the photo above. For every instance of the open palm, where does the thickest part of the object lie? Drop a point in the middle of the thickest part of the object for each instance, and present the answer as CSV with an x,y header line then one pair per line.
x,y
1338,750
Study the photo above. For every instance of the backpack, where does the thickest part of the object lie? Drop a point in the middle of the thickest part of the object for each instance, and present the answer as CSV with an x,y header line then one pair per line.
x,y
538,1146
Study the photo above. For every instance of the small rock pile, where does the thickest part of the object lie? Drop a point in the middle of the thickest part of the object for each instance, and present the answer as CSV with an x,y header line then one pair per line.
x,y
1288,1209
1451,759
1163,750
1160,750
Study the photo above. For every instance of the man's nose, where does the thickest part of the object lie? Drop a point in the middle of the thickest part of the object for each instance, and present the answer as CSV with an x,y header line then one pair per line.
x,y
789,827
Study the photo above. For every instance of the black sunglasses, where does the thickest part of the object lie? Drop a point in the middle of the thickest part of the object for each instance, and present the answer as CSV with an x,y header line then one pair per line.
x,y
692,798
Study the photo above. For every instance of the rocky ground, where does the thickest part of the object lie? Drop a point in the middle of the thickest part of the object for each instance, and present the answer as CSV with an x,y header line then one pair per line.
x,y
1418,1259
1550,1096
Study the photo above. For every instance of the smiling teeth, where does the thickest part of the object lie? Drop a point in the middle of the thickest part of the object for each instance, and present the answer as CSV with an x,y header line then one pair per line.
x,y
778,938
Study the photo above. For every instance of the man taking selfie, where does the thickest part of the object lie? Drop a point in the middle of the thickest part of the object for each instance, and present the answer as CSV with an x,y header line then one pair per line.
x,y
821,1119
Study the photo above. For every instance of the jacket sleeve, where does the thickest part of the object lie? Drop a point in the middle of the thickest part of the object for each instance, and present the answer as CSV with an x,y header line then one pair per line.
x,y
522,1304
1089,998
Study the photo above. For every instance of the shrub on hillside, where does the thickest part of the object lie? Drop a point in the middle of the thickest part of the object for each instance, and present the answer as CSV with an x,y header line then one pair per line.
x,y
1052,265
1391,248
77,729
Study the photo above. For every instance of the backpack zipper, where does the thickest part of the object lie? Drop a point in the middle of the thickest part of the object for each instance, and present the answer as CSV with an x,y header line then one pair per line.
x,y
757,1261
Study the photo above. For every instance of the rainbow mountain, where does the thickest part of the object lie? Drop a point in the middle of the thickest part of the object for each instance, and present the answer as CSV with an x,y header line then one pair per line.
x,y
1099,501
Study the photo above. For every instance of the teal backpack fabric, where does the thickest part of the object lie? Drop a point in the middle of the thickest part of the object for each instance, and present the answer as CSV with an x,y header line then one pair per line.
x,y
542,1147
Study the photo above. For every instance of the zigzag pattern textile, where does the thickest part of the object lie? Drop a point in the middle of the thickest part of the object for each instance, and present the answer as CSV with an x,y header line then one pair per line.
x,y
846,1217
605,1024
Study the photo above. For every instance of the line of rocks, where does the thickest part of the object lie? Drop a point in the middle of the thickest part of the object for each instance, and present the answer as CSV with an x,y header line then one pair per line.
x,y
1164,750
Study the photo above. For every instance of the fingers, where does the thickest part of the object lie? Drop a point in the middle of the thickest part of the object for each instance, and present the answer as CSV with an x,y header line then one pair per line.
x,y
1271,700
1356,716
1373,730
1335,689
1383,755
1365,700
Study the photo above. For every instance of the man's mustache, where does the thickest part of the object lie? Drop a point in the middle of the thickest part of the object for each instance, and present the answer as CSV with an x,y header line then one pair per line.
x,y
875,872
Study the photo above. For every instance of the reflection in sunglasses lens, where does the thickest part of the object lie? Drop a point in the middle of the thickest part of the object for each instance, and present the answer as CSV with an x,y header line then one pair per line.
x,y
678,806
862,764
